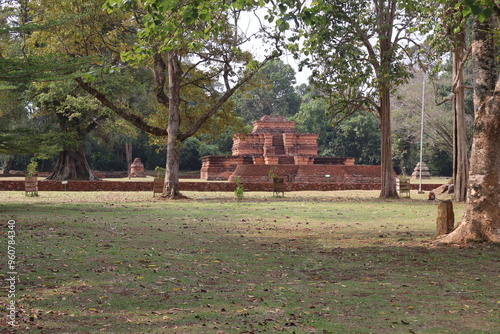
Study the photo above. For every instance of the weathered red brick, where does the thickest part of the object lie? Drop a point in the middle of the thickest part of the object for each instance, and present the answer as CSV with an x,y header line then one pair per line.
x,y
8,185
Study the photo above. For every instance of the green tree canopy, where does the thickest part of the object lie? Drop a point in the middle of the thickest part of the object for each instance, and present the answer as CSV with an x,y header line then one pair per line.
x,y
357,136
195,54
357,50
271,92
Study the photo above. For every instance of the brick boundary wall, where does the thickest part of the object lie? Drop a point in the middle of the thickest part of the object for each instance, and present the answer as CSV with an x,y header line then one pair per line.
x,y
18,185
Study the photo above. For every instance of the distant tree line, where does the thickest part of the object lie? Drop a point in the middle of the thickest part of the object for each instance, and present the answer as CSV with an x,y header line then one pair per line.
x,y
274,91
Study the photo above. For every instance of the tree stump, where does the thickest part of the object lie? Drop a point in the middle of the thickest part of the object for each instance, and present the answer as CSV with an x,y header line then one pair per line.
x,y
445,219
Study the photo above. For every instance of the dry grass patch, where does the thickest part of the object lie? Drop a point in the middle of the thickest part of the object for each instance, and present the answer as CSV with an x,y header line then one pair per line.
x,y
309,263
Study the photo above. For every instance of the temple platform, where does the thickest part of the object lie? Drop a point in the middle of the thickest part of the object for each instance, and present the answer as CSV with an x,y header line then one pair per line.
x,y
309,173
275,147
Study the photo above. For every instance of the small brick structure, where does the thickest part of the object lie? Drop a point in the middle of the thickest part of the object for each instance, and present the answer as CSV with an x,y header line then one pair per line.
x,y
425,171
137,169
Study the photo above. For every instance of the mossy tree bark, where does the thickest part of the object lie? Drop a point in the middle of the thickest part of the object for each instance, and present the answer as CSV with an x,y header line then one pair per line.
x,y
482,215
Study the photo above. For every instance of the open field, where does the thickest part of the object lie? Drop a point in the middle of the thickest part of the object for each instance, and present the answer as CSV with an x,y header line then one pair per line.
x,y
149,178
312,262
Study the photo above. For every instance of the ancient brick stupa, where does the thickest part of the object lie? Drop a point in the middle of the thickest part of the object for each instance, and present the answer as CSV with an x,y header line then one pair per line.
x,y
426,174
274,144
137,169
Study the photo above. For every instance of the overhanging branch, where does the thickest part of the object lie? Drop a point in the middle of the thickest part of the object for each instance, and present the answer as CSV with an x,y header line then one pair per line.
x,y
223,99
120,111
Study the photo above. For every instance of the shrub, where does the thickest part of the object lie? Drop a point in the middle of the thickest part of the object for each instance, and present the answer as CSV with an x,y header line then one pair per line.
x,y
239,191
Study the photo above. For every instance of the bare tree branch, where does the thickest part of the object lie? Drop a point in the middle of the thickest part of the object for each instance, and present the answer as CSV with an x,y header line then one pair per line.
x,y
224,98
123,112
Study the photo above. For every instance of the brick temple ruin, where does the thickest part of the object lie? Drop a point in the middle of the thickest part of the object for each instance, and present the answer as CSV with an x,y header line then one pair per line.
x,y
274,144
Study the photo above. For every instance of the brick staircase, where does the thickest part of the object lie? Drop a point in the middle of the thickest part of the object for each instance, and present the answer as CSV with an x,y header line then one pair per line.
x,y
279,146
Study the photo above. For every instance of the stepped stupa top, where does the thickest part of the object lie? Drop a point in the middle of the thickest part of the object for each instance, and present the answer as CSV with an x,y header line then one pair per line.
x,y
273,124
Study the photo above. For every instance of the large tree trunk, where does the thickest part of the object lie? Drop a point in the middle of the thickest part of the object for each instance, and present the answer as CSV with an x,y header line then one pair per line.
x,y
386,16
128,156
482,214
460,157
72,165
174,121
388,189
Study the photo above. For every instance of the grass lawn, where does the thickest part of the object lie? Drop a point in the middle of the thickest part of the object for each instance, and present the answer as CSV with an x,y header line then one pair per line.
x,y
312,262
150,176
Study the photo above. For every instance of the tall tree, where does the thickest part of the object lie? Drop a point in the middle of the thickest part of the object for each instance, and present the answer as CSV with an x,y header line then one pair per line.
x,y
450,32
438,121
76,117
271,92
17,62
90,34
481,219
460,155
20,133
198,63
357,51
356,137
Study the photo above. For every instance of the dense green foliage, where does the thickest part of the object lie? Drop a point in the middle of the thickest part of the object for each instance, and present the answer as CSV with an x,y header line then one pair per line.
x,y
357,136
272,91
438,127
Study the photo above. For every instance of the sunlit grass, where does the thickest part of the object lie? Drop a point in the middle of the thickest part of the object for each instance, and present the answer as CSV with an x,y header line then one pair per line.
x,y
312,262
